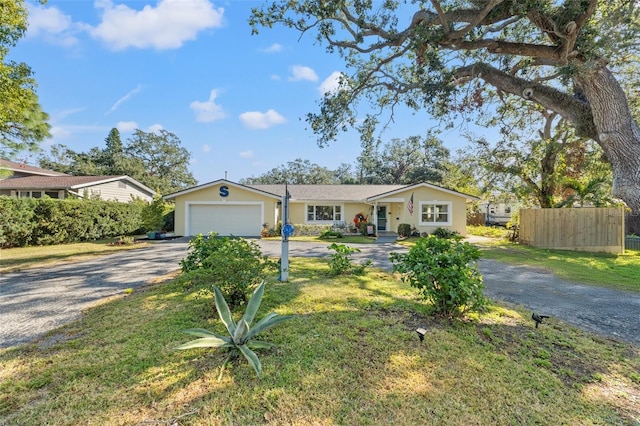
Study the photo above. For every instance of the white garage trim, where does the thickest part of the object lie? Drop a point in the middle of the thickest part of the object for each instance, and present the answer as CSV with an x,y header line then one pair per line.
x,y
256,228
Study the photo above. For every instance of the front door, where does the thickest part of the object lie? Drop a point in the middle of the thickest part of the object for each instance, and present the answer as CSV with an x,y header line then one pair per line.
x,y
382,218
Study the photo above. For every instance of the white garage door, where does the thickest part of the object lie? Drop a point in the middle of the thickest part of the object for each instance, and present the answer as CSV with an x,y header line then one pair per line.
x,y
241,220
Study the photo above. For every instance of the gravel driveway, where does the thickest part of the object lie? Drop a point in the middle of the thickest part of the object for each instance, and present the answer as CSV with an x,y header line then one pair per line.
x,y
36,301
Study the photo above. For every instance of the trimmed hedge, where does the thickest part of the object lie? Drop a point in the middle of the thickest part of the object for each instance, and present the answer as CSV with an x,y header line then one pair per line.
x,y
46,221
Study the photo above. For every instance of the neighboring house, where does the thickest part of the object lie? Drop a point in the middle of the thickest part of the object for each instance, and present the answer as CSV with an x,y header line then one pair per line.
x,y
33,182
229,208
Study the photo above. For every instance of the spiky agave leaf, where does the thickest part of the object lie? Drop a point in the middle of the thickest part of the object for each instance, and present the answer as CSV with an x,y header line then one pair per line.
x,y
239,337
207,342
223,311
254,304
266,323
252,358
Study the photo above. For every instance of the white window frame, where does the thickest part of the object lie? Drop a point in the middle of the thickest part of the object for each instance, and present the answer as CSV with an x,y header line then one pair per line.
x,y
449,205
329,221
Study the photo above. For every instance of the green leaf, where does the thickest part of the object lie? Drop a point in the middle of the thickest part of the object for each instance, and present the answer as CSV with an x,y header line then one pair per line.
x,y
206,342
254,304
240,333
264,325
252,358
223,311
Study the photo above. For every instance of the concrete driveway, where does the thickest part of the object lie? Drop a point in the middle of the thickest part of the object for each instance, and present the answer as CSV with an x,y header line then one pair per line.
x,y
35,301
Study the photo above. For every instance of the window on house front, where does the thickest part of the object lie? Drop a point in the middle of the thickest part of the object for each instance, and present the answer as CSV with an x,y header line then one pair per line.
x,y
435,213
52,194
323,213
507,210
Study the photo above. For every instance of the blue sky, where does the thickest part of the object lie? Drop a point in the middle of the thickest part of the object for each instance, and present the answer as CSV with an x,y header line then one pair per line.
x,y
237,102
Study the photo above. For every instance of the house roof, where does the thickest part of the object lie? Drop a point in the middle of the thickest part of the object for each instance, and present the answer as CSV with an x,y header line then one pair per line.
x,y
25,168
65,182
328,192
324,192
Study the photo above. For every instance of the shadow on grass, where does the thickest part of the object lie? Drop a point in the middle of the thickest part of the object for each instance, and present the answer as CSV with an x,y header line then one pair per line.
x,y
350,356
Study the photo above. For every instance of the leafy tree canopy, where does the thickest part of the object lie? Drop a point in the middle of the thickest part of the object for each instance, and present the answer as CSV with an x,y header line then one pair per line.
x,y
23,124
452,57
156,160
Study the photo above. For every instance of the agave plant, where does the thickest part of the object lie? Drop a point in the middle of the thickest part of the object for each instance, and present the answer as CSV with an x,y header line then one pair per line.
x,y
241,334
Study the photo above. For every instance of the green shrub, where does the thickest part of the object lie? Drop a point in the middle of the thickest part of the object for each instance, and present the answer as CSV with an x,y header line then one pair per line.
x,y
46,221
340,262
445,272
362,228
17,223
404,230
241,334
446,233
329,233
234,265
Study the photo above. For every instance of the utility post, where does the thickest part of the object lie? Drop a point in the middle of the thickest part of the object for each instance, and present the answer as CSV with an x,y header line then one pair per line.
x,y
287,231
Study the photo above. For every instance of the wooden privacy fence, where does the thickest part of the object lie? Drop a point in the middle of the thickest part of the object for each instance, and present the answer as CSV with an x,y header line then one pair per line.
x,y
582,229
476,219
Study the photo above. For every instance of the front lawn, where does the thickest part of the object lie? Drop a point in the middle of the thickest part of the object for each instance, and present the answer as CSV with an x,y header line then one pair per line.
x,y
17,258
350,356
620,272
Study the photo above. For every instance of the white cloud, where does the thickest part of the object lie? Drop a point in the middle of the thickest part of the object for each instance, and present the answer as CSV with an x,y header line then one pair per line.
x,y
262,120
331,84
125,98
206,148
299,72
59,132
274,48
275,77
126,126
52,25
246,154
168,25
155,128
208,111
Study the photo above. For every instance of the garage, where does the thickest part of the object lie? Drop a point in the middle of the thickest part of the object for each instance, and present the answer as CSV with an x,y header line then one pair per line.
x,y
242,220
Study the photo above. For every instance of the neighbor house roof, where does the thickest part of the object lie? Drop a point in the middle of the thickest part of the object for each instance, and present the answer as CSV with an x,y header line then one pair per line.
x,y
23,168
65,182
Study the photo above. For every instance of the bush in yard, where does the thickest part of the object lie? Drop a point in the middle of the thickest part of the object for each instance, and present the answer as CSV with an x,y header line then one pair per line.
x,y
16,221
446,274
45,221
362,228
329,233
241,334
340,261
234,265
446,233
404,230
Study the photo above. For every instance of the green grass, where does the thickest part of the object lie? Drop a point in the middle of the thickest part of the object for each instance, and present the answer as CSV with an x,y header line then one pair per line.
x,y
621,272
350,356
14,259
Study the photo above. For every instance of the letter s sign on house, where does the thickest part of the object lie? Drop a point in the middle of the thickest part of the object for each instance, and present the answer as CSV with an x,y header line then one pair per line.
x,y
224,191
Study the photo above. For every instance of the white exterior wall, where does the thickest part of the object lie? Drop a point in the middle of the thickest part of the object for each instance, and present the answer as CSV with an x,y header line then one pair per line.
x,y
121,191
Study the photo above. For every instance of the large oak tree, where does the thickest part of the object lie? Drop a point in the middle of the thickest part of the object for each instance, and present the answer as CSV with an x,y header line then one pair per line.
x,y
451,55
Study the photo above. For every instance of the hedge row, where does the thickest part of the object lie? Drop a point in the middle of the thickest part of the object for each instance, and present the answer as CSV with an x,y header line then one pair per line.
x,y
44,221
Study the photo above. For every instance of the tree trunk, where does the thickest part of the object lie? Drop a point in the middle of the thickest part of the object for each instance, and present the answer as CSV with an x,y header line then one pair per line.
x,y
618,133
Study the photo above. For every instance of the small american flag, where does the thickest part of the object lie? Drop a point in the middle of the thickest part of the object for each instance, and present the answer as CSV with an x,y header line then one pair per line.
x,y
410,205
